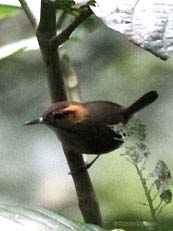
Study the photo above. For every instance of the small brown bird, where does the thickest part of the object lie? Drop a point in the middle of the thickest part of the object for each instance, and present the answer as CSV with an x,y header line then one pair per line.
x,y
86,127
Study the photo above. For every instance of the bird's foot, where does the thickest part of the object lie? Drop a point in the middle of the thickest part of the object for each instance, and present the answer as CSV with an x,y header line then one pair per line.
x,y
84,167
80,169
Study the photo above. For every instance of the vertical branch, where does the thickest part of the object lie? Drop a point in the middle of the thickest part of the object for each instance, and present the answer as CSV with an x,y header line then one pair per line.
x,y
45,32
70,78
86,196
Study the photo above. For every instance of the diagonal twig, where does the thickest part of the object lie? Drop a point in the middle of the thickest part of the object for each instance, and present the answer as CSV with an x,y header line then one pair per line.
x,y
29,13
65,34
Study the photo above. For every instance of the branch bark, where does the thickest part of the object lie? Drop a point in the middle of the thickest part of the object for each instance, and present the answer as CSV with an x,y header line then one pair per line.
x,y
45,32
86,196
65,34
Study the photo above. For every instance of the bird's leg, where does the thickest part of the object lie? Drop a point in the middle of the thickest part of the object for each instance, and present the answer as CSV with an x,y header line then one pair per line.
x,y
85,166
88,165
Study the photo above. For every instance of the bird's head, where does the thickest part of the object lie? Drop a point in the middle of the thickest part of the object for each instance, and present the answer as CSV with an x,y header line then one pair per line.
x,y
62,115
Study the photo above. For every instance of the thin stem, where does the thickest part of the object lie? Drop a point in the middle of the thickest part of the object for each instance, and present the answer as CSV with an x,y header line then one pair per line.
x,y
149,199
160,209
158,206
71,80
65,34
144,163
151,187
144,204
29,13
155,196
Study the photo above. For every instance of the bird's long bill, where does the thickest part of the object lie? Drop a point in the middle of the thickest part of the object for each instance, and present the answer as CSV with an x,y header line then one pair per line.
x,y
36,121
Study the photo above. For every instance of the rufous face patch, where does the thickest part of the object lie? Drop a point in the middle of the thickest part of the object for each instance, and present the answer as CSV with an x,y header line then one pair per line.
x,y
77,115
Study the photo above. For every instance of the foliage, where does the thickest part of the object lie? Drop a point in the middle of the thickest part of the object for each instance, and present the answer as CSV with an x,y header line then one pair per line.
x,y
137,152
35,218
147,23
71,7
8,11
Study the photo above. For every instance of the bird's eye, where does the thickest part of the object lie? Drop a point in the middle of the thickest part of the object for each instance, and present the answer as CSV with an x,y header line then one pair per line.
x,y
58,115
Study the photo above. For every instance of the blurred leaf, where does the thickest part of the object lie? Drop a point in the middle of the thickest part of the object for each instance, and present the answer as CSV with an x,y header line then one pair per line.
x,y
134,137
118,230
92,2
161,171
138,152
166,196
8,11
163,185
38,219
18,47
81,2
70,7
17,52
163,176
66,6
146,23
15,3
85,2
149,225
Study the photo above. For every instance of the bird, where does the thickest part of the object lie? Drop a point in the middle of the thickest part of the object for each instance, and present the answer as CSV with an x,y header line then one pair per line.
x,y
87,128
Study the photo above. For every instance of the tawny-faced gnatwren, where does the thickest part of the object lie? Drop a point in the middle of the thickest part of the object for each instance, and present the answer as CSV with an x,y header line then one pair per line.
x,y
85,127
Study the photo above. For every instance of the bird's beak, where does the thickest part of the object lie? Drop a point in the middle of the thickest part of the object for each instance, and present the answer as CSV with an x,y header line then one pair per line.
x,y
36,121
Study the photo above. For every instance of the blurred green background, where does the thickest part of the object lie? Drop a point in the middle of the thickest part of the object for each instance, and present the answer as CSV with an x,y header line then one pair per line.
x,y
33,169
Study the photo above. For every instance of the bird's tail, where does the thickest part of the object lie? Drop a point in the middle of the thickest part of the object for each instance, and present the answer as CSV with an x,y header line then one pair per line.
x,y
142,102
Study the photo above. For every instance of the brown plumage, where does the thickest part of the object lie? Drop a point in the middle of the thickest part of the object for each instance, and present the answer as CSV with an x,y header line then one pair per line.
x,y
85,128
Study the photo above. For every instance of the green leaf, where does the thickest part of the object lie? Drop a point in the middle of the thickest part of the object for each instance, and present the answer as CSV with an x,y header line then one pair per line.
x,y
92,2
38,219
68,7
166,196
18,47
13,53
8,11
161,170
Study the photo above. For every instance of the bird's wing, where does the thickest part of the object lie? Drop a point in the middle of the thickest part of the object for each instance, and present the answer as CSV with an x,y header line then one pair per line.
x,y
104,112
